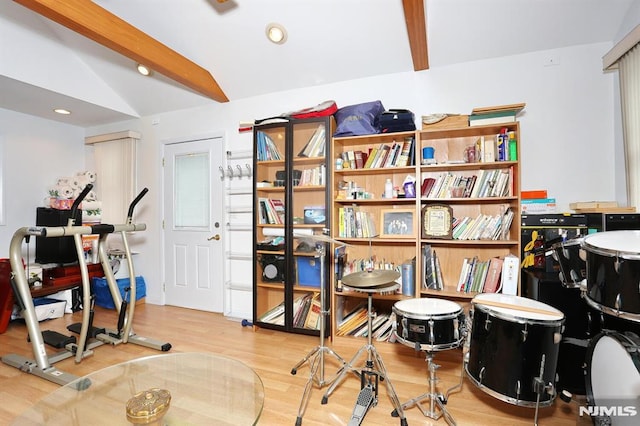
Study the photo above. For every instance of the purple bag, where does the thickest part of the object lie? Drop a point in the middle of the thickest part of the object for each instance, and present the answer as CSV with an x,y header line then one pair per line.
x,y
358,119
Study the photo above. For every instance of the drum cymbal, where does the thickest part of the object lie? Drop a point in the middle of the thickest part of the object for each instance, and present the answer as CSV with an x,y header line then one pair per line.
x,y
318,237
368,279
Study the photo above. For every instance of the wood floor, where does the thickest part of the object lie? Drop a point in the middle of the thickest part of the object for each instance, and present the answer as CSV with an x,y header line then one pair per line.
x,y
272,355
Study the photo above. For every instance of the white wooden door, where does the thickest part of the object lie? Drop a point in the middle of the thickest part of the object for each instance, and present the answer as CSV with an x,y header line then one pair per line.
x,y
193,214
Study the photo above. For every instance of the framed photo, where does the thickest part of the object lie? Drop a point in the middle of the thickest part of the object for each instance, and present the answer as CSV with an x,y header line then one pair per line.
x,y
436,221
397,223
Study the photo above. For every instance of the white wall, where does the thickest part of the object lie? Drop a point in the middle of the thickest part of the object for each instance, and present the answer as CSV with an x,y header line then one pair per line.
x,y
36,153
568,129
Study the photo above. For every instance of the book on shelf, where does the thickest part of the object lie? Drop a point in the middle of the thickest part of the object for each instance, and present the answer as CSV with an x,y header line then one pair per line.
x,y
277,211
405,154
492,282
438,268
273,315
266,147
429,281
426,186
314,315
316,145
359,159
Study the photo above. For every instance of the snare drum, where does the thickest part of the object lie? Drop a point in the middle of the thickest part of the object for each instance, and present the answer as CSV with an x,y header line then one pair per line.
x,y
429,324
613,378
613,272
573,268
514,347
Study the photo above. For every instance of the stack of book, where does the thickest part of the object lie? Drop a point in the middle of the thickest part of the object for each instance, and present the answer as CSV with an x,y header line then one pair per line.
x,y
355,323
495,114
537,202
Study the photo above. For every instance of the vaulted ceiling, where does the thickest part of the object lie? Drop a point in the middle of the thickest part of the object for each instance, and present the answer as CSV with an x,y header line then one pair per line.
x,y
46,64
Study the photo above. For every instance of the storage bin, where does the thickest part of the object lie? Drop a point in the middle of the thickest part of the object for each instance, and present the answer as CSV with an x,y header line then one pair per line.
x,y
308,270
47,308
103,295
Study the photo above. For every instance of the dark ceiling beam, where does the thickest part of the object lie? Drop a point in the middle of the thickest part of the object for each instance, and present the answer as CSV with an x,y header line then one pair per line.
x,y
415,18
96,23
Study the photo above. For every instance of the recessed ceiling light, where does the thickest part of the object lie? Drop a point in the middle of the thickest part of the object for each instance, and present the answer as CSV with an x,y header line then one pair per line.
x,y
62,111
142,69
276,33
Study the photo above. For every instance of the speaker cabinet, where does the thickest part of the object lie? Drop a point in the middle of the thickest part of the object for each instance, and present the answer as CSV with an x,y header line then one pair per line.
x,y
56,249
272,267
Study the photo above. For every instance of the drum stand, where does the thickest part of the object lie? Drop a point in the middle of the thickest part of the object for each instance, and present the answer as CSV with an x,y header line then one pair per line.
x,y
433,396
316,356
369,377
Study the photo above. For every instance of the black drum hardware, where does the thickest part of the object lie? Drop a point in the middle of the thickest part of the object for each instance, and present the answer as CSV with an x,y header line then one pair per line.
x,y
430,325
316,357
374,371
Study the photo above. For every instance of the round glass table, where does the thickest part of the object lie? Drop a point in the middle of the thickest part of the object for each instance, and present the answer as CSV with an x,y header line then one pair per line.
x,y
203,389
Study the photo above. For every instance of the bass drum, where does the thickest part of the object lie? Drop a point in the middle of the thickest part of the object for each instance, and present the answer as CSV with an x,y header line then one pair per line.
x,y
429,324
613,378
613,272
514,347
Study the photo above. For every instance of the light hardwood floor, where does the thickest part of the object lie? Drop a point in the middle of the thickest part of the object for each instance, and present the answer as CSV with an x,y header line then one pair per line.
x,y
272,354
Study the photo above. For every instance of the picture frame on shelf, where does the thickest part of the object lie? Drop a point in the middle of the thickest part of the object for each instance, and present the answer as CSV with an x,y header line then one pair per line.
x,y
397,223
437,220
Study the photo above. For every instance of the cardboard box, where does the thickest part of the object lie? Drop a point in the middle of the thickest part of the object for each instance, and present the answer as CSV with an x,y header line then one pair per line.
x,y
103,295
449,122
308,271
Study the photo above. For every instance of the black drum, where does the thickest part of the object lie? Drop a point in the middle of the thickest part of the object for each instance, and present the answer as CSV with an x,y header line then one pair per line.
x,y
582,323
613,379
513,349
572,261
429,324
613,272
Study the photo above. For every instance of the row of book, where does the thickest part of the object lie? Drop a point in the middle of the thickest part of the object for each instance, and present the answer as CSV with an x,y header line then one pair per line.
x,y
480,276
306,312
487,183
266,148
355,223
315,147
271,211
396,154
483,227
313,176
355,324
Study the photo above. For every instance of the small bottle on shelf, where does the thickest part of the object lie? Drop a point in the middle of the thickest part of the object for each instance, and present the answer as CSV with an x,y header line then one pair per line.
x,y
388,189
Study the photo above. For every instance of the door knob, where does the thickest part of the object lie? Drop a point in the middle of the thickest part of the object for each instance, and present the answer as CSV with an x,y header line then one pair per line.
x,y
214,237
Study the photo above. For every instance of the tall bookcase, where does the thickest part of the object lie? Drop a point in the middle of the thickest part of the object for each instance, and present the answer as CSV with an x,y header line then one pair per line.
x,y
358,203
291,178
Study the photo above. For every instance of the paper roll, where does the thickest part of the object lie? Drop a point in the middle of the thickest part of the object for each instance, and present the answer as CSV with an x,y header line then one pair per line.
x,y
65,192
279,232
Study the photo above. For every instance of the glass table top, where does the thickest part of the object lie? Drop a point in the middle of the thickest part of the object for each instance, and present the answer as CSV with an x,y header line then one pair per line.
x,y
204,389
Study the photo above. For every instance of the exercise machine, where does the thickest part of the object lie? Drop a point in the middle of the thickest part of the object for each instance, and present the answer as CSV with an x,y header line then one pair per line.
x,y
89,337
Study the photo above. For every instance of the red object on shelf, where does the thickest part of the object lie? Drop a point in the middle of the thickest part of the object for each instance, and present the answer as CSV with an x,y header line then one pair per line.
x,y
6,294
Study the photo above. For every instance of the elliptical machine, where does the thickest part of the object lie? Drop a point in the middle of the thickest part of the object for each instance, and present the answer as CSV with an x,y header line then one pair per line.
x,y
90,337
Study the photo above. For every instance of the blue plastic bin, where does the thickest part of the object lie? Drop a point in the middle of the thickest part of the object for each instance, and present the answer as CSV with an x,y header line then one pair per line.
x,y
103,295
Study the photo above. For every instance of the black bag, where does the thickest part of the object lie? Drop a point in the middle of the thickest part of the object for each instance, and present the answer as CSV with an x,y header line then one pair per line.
x,y
397,120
